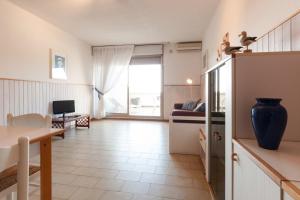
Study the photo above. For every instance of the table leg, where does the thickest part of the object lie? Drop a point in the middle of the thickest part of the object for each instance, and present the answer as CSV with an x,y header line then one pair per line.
x,y
46,169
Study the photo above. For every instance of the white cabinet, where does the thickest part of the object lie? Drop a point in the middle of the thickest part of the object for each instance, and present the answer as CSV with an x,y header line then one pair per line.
x,y
286,196
249,181
291,189
232,87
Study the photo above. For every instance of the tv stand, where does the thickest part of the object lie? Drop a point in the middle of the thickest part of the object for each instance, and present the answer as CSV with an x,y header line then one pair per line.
x,y
61,122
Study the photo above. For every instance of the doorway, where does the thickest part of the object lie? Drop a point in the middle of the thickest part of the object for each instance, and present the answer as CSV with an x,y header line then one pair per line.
x,y
145,89
139,91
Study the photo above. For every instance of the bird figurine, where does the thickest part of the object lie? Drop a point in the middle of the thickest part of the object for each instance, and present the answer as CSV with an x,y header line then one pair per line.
x,y
246,41
219,54
230,50
226,37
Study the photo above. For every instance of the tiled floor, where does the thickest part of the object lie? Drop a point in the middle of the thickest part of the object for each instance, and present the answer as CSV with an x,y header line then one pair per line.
x,y
123,160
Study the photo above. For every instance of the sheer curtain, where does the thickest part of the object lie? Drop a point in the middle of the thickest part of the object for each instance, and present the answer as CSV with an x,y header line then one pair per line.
x,y
109,65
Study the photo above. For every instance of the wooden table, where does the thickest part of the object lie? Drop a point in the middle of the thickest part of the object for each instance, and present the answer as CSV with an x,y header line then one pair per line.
x,y
9,142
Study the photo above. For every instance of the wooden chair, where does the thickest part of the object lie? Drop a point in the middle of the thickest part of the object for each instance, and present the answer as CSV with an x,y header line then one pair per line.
x,y
28,120
16,177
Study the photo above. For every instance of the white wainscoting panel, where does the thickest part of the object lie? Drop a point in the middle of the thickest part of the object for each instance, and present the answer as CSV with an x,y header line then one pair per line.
x,y
21,97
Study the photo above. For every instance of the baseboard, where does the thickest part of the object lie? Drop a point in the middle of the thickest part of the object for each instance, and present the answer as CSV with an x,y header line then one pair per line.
x,y
135,119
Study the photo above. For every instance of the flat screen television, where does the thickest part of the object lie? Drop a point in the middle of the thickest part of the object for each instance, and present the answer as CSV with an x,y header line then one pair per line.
x,y
62,107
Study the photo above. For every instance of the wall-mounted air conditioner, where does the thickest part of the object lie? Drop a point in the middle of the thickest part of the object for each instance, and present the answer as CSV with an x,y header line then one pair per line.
x,y
189,46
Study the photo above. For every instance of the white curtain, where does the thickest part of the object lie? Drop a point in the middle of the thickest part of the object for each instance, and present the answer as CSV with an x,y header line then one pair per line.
x,y
109,64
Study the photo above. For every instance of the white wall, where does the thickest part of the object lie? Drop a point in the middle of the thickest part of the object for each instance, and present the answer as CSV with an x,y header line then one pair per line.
x,y
178,66
254,16
25,41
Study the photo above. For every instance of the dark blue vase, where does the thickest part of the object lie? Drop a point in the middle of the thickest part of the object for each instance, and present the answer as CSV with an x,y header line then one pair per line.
x,y
269,120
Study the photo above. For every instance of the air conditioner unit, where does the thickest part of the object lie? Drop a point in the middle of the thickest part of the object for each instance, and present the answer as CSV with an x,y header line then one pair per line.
x,y
189,46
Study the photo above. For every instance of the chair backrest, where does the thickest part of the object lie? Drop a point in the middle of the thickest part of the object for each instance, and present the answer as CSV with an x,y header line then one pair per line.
x,y
29,120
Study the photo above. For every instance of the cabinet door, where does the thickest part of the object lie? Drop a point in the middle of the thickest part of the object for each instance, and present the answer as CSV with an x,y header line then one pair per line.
x,y
286,196
249,181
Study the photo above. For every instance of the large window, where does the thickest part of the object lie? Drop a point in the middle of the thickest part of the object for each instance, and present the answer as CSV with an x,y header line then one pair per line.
x,y
145,84
139,89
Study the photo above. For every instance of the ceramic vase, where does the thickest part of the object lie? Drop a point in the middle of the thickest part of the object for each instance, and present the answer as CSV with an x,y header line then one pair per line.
x,y
269,120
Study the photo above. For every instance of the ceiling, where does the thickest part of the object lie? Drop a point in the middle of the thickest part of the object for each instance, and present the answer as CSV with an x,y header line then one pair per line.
x,y
107,22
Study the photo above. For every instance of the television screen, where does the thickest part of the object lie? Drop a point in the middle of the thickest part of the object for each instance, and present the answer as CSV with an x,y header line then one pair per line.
x,y
66,106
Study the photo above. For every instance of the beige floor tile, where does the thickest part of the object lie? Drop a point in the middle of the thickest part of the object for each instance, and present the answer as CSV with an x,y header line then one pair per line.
x,y
87,194
110,184
146,197
63,168
138,161
96,172
129,175
158,162
63,178
179,181
121,155
123,166
145,168
109,195
64,161
135,187
167,191
188,173
33,189
169,171
179,165
196,194
35,180
153,178
85,181
196,166
149,156
200,183
190,158
169,156
61,191
37,197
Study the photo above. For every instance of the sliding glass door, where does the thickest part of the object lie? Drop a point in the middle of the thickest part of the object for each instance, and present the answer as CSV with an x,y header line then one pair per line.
x,y
145,90
139,90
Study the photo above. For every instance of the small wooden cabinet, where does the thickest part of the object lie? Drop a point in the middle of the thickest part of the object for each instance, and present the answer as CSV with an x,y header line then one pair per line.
x,y
80,121
249,181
